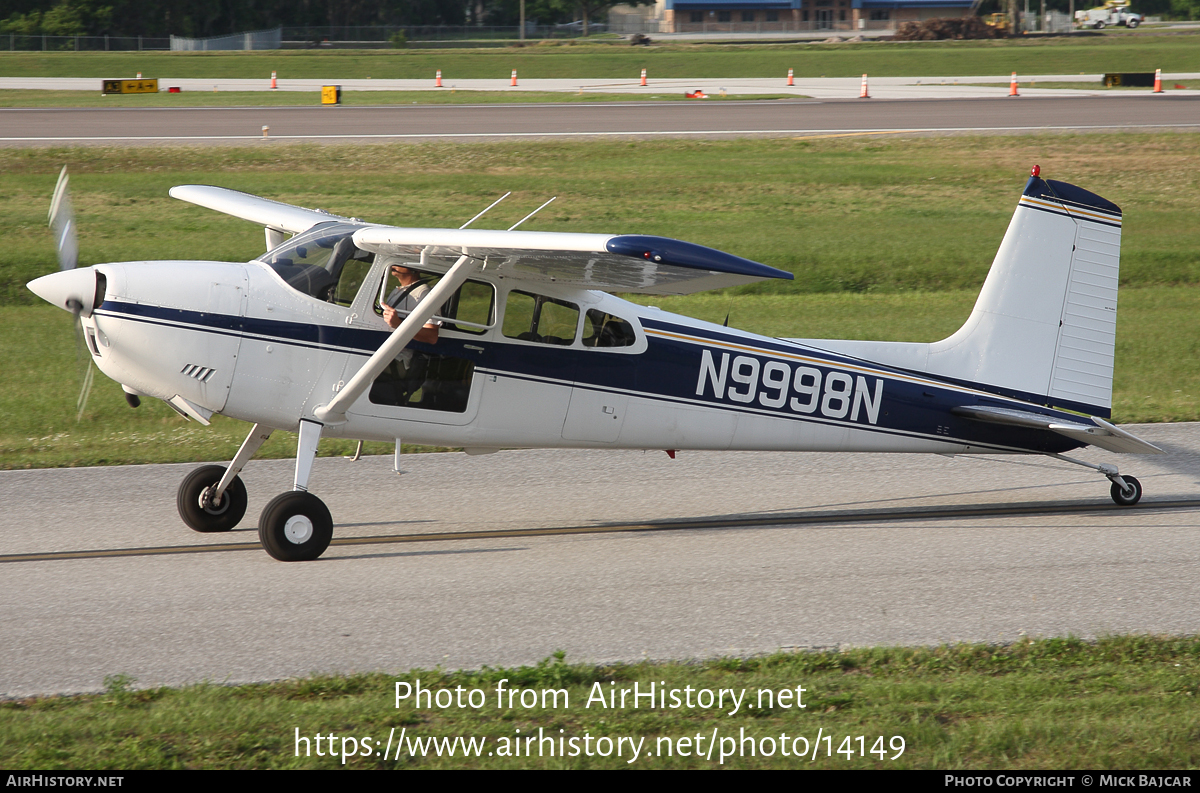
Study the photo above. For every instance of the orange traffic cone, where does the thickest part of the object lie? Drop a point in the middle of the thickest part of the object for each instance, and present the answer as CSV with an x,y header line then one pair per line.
x,y
513,82
1158,81
790,80
1012,87
274,82
437,81
863,94
643,76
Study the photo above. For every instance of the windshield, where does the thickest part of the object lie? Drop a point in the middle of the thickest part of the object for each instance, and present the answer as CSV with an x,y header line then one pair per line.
x,y
315,262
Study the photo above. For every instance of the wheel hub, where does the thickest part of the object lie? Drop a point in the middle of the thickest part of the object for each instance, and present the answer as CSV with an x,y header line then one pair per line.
x,y
298,529
208,506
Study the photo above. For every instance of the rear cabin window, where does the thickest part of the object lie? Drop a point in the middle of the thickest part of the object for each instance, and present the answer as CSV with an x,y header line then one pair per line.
x,y
605,330
541,319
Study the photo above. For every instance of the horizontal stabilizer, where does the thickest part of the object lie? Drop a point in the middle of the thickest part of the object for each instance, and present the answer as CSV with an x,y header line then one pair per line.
x,y
1102,433
268,213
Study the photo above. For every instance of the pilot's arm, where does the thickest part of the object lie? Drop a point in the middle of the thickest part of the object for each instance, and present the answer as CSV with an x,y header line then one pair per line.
x,y
426,335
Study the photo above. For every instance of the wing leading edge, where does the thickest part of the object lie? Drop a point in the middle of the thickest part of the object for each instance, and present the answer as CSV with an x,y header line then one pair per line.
x,y
270,214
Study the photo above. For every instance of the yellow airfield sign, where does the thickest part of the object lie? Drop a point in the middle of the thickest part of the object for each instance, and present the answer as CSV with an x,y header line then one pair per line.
x,y
331,94
129,87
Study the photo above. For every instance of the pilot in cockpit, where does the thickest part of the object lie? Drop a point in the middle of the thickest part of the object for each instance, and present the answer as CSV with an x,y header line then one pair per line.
x,y
404,299
402,382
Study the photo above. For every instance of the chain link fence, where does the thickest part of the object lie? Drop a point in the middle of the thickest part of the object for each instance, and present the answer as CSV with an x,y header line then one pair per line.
x,y
14,43
251,40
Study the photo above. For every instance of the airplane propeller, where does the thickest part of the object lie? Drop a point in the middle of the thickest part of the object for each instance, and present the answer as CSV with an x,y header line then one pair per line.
x,y
62,222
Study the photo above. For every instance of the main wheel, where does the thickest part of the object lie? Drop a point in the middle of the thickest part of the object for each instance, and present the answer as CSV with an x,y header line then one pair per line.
x,y
1133,23
200,515
1127,498
1099,26
295,527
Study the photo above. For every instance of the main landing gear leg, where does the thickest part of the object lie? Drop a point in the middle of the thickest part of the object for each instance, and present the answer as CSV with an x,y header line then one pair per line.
x,y
1125,491
296,526
213,498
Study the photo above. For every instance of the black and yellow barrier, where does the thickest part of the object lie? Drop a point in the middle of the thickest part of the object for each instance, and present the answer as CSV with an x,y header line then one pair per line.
x,y
1129,80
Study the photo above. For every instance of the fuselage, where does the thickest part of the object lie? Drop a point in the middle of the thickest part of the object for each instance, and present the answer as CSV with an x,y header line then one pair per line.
x,y
238,340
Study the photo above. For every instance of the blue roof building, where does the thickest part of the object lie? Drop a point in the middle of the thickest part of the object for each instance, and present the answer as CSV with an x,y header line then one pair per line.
x,y
687,16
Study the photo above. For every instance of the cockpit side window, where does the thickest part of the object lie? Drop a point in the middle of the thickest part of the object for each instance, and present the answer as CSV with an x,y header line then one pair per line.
x,y
473,304
323,262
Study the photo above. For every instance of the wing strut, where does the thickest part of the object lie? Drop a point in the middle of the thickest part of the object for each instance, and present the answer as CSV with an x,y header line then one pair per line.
x,y
335,411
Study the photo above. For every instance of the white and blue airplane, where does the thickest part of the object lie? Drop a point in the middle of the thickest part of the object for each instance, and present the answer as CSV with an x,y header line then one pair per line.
x,y
530,349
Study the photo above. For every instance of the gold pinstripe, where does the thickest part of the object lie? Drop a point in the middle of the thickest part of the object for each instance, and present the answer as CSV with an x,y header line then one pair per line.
x,y
1090,214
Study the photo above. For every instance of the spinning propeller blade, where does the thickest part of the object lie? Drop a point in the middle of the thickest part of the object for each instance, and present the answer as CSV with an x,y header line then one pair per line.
x,y
62,221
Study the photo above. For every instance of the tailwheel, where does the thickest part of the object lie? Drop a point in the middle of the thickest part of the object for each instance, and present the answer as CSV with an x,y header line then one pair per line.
x,y
1127,497
196,507
295,527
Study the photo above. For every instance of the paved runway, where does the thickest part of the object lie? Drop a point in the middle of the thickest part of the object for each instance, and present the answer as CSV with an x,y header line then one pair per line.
x,y
58,126
942,87
608,555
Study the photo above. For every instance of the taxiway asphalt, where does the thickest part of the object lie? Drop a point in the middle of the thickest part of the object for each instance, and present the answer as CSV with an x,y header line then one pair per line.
x,y
423,123
608,555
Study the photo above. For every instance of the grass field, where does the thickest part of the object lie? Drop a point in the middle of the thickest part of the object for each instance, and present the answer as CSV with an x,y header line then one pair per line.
x,y
1074,55
888,239
1120,703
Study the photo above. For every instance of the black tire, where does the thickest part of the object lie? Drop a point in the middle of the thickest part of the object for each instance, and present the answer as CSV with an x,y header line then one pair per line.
x,y
225,515
1131,24
1099,26
1123,498
295,527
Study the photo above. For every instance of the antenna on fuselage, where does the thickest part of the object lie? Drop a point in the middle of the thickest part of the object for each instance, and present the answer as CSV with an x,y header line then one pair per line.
x,y
531,214
484,212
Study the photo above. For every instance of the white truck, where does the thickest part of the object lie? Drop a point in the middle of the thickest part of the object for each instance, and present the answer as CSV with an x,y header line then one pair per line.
x,y
1114,12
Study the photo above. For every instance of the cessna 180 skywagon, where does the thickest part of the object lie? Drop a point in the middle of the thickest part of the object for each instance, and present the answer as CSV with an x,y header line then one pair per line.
x,y
530,350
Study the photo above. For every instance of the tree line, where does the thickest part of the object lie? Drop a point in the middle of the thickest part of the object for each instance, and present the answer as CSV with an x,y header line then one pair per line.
x,y
200,18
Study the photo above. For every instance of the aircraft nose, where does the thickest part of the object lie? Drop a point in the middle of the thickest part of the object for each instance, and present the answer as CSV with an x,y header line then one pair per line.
x,y
72,290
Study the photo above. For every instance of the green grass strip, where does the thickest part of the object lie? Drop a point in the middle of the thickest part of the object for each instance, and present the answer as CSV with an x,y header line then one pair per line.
x,y
1124,702
1065,55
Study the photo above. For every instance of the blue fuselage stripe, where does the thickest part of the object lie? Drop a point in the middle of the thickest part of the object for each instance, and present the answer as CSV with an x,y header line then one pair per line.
x,y
669,371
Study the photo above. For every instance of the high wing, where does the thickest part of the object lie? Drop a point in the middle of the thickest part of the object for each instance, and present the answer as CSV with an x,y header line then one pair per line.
x,y
270,214
619,263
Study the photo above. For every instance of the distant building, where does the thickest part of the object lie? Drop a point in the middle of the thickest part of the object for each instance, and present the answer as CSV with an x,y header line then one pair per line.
x,y
748,16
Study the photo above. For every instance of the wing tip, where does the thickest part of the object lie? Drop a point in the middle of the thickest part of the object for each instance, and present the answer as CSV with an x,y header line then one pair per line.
x,y
665,250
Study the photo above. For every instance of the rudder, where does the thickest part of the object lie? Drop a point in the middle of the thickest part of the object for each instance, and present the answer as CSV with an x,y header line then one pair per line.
x,y
1044,326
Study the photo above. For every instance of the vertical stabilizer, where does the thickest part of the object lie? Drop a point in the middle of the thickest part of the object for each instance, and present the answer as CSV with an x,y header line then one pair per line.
x,y
1044,326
